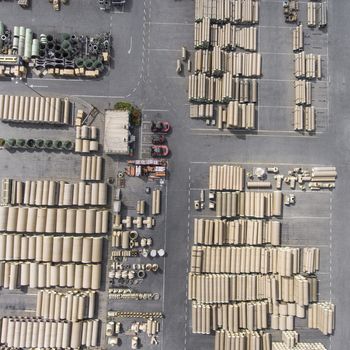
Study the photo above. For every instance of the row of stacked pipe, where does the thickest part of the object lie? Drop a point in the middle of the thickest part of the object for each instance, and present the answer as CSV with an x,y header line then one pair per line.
x,y
53,236
226,64
307,68
243,282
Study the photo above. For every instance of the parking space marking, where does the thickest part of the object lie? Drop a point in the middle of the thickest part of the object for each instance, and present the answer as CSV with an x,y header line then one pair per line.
x,y
171,23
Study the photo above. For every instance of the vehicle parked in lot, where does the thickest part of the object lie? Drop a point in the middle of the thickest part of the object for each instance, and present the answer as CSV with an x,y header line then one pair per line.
x,y
160,126
159,151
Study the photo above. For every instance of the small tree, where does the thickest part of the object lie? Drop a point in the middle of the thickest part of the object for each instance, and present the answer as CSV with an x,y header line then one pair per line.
x,y
134,111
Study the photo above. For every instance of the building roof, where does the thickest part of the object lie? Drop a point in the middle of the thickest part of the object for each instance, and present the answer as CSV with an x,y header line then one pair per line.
x,y
116,132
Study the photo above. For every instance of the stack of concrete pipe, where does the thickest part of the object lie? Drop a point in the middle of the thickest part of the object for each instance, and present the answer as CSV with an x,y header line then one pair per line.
x,y
288,342
156,201
298,38
303,95
249,204
226,177
240,11
46,275
124,239
238,116
217,62
246,340
292,294
224,89
307,65
30,109
290,338
231,317
304,118
54,249
237,232
321,316
323,174
31,332
284,261
71,306
227,36
311,14
140,207
86,139
224,288
323,14
202,110
53,220
55,193
311,260
91,168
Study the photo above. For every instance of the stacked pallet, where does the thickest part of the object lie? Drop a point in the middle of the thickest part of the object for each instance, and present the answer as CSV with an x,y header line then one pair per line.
x,y
53,220
249,204
237,232
70,306
317,14
240,11
246,340
46,275
321,316
53,193
227,37
311,260
29,333
237,64
54,249
226,177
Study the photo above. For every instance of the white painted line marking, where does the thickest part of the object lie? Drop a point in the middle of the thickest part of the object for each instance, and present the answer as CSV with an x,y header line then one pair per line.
x,y
155,110
98,96
166,50
130,48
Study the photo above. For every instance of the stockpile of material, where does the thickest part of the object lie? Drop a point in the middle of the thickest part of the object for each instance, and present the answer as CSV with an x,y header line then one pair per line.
x,y
230,317
156,201
228,37
290,340
289,294
224,89
317,14
240,11
239,283
249,204
226,177
30,109
217,62
307,65
222,27
46,275
298,38
321,316
28,333
246,340
53,193
323,177
91,168
237,232
71,306
54,249
86,139
53,220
